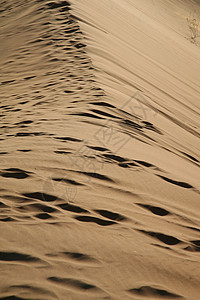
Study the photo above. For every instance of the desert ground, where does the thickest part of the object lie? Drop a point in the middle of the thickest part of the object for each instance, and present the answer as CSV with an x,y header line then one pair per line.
x,y
99,149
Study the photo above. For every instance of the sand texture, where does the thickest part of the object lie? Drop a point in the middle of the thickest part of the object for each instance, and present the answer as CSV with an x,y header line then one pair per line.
x,y
99,150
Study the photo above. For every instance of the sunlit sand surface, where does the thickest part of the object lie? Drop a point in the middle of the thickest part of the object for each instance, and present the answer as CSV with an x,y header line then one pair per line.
x,y
99,150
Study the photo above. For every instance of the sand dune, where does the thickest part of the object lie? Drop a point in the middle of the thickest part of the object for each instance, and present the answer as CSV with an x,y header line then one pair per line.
x,y
99,150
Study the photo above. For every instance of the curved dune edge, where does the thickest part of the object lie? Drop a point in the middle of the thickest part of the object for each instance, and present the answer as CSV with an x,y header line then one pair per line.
x,y
99,151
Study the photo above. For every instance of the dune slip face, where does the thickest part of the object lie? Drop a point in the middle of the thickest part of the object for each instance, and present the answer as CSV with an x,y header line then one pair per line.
x,y
99,149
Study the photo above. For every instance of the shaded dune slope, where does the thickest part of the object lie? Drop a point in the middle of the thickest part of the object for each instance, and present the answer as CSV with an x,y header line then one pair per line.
x,y
99,164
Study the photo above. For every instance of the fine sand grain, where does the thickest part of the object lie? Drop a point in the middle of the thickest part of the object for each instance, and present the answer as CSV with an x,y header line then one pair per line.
x,y
99,150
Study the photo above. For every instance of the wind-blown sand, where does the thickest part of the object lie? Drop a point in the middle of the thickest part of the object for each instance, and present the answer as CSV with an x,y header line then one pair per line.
x,y
99,150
